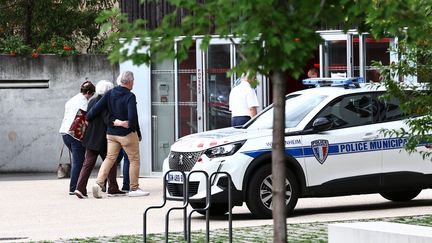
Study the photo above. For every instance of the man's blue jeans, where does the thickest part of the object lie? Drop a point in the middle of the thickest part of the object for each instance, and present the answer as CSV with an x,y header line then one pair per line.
x,y
78,152
126,180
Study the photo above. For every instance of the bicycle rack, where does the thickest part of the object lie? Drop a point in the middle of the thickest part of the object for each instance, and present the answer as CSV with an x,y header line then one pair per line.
x,y
187,220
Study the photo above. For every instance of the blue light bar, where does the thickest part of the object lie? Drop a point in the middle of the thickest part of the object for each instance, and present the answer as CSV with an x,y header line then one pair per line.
x,y
346,82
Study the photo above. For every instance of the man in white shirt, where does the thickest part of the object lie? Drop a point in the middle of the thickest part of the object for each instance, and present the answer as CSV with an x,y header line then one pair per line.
x,y
243,102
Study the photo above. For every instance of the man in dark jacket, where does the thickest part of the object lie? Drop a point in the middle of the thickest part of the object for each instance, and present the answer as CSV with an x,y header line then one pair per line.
x,y
123,133
96,144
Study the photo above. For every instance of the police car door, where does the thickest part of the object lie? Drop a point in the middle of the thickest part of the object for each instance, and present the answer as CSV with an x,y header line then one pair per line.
x,y
341,157
399,167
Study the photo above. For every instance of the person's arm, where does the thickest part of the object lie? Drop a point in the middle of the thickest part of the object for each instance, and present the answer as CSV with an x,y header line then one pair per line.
x,y
98,107
132,113
138,129
252,101
252,111
120,123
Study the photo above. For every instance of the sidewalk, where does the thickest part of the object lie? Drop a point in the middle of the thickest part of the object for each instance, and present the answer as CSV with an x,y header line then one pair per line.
x,y
37,207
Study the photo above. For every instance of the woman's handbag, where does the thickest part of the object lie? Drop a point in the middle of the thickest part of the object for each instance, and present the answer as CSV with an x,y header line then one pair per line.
x,y
79,125
63,170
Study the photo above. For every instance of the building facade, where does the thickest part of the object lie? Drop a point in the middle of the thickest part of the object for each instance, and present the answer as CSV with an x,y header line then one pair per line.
x,y
180,98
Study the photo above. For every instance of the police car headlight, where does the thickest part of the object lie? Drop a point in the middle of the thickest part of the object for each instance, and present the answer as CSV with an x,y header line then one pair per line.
x,y
224,150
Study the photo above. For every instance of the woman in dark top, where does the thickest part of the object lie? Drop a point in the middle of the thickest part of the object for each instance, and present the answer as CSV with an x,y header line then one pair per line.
x,y
96,144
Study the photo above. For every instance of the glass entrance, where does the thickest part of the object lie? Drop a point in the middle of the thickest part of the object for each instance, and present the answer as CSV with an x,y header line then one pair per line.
x,y
218,86
215,62
337,55
352,55
192,95
162,111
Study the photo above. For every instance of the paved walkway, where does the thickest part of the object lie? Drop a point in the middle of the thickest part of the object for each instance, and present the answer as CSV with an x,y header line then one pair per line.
x,y
37,207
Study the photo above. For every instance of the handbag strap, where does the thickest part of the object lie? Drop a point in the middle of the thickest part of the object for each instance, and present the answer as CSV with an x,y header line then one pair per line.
x,y
61,154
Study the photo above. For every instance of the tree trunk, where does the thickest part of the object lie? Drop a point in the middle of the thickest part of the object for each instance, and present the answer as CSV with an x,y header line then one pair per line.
x,y
28,23
278,158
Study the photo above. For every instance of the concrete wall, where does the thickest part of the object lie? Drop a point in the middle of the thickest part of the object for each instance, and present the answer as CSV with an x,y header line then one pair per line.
x,y
30,117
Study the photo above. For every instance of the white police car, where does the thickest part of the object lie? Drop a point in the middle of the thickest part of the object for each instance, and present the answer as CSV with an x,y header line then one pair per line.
x,y
333,147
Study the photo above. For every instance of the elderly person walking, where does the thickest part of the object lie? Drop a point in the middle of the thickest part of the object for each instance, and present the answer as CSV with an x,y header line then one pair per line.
x,y
72,106
123,133
96,144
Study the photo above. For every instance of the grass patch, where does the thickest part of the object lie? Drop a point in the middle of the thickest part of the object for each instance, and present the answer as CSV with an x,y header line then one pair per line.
x,y
302,233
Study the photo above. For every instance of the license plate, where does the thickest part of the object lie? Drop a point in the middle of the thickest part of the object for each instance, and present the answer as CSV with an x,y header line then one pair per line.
x,y
175,177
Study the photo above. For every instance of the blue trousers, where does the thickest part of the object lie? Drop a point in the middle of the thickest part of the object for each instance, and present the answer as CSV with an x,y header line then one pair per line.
x,y
125,171
78,152
239,120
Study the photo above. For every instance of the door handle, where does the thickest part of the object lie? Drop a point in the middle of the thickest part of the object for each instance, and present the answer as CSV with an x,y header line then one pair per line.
x,y
370,136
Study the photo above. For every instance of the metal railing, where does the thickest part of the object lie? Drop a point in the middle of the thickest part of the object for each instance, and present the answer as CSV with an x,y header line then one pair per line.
x,y
187,219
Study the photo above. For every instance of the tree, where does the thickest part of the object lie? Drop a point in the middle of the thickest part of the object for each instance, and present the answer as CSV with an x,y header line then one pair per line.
x,y
411,23
276,37
37,22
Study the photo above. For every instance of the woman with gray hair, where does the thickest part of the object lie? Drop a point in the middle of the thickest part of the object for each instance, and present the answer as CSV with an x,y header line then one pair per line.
x,y
96,144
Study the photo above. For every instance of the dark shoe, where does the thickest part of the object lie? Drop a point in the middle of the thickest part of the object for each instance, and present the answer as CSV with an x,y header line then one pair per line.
x,y
80,194
105,186
71,193
125,189
117,193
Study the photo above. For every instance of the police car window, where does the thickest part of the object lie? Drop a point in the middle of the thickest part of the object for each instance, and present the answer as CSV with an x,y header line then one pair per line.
x,y
349,111
296,108
392,111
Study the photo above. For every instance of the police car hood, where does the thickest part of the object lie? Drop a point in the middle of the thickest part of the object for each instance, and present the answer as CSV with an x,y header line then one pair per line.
x,y
204,140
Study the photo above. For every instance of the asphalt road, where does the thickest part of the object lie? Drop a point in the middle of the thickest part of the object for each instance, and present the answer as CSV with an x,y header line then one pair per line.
x,y
38,207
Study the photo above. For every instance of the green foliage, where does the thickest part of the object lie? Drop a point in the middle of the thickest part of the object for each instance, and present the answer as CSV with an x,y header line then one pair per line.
x,y
414,51
274,35
13,45
59,46
37,22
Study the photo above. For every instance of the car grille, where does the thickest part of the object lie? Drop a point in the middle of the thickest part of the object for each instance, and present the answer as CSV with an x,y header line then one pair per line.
x,y
176,190
183,161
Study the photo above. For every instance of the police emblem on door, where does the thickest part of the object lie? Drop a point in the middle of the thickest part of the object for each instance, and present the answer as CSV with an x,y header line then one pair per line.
x,y
320,149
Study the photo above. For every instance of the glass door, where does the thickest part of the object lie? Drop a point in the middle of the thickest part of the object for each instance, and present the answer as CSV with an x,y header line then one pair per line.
x,y
162,111
192,95
187,82
333,55
216,61
353,54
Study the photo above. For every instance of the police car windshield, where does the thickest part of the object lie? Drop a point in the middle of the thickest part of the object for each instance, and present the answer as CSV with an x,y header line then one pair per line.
x,y
296,108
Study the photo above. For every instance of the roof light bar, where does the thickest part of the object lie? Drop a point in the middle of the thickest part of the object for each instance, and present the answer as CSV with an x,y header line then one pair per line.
x,y
346,82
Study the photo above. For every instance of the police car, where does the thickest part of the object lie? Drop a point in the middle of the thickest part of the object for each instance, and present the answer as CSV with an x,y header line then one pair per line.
x,y
333,145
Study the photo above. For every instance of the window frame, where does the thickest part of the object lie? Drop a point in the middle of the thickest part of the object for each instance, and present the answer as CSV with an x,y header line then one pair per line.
x,y
375,118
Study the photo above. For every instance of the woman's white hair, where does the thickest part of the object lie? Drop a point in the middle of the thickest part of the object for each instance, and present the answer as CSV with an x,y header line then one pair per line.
x,y
103,86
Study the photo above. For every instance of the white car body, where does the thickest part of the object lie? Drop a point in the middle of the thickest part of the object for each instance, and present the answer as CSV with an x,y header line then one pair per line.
x,y
342,160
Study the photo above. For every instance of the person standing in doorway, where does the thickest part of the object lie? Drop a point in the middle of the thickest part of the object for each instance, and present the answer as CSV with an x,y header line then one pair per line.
x,y
312,73
72,106
123,133
243,101
96,144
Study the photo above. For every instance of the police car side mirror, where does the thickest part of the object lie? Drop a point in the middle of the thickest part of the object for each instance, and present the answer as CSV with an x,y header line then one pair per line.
x,y
321,124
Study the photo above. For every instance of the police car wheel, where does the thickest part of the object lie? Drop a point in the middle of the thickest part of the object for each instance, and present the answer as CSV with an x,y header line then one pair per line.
x,y
216,209
259,193
400,196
